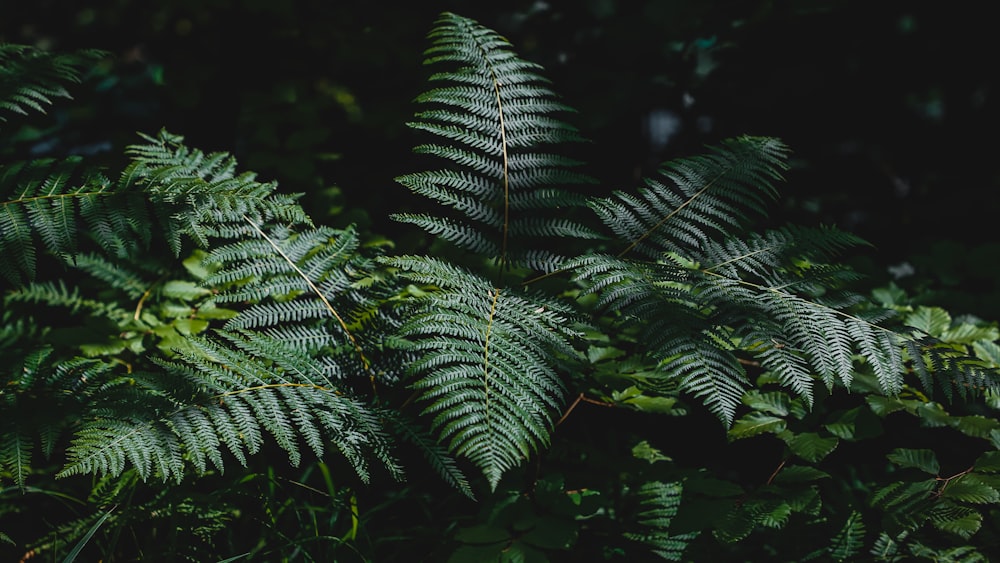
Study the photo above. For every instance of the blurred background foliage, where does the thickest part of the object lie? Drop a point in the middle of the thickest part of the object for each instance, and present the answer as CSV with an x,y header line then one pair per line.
x,y
889,106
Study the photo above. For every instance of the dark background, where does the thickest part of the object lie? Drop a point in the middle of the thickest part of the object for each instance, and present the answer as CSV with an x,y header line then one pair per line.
x,y
890,107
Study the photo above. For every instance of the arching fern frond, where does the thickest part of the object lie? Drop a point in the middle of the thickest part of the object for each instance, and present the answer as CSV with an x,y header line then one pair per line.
x,y
214,396
495,112
486,363
31,78
696,199
707,294
201,195
42,203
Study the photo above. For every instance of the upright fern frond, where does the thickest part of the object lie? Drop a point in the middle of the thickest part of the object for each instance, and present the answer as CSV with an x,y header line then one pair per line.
x,y
31,78
487,363
495,115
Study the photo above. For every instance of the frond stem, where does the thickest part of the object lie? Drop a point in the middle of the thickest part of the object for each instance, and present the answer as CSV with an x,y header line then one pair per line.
x,y
778,290
486,354
326,302
652,229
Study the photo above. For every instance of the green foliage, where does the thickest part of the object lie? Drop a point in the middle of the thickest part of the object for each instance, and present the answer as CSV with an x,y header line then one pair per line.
x,y
31,78
198,316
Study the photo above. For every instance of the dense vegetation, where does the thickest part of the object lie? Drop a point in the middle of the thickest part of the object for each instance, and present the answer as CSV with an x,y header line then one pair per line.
x,y
197,369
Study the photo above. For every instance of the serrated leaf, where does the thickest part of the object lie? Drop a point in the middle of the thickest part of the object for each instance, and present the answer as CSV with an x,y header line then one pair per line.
x,y
971,491
884,406
756,423
931,320
774,402
810,446
969,334
989,462
924,460
976,425
184,290
988,351
799,474
964,526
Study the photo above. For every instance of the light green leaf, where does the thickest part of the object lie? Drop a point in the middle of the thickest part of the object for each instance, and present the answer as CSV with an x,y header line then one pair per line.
x,y
184,290
969,334
774,402
643,450
931,320
988,351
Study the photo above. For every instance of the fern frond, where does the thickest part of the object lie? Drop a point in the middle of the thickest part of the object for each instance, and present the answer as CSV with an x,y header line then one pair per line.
x,y
435,454
696,199
214,397
57,294
659,503
201,195
486,363
31,78
40,202
495,111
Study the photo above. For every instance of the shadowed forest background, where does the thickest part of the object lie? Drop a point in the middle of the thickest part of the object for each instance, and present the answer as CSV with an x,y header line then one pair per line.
x,y
890,108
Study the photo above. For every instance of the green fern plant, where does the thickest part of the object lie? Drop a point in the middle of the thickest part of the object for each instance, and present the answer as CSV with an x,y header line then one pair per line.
x,y
201,317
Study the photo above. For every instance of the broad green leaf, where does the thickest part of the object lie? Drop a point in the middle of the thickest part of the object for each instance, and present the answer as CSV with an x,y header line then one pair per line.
x,y
988,351
975,425
777,517
924,460
964,526
552,533
856,424
989,462
970,334
774,402
601,353
644,451
712,487
809,445
799,474
884,406
645,403
184,290
972,490
481,534
755,423
931,320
